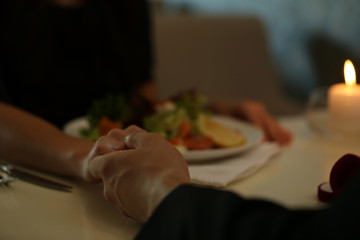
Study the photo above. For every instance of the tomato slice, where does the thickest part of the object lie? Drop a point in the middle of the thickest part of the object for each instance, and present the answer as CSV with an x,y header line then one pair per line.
x,y
105,125
185,129
198,143
176,141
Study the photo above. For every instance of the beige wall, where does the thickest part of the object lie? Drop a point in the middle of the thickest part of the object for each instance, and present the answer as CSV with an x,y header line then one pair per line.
x,y
221,57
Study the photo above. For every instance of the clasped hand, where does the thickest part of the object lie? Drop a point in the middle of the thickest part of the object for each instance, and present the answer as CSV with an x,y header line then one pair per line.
x,y
138,170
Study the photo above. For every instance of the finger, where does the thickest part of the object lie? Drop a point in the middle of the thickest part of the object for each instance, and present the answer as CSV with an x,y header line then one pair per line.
x,y
281,136
257,114
261,119
101,167
136,139
111,141
94,167
129,136
133,129
274,132
101,149
116,133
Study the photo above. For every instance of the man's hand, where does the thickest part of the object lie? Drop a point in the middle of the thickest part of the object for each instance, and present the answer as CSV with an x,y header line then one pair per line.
x,y
138,170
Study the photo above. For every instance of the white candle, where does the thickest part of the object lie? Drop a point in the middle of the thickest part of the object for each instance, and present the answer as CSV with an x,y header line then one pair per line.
x,y
344,103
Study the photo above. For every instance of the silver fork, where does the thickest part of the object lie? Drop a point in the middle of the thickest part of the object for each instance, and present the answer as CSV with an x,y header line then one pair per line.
x,y
5,178
7,199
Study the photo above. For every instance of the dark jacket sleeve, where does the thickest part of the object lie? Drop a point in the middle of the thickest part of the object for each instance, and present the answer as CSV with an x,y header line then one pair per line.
x,y
192,212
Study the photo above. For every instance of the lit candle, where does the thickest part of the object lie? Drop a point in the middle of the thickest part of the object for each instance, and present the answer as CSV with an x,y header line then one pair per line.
x,y
344,103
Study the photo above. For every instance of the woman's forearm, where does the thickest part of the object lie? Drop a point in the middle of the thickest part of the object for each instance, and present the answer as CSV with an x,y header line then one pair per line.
x,y
29,140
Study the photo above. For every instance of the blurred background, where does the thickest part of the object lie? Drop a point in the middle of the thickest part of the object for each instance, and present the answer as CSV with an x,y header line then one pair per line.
x,y
279,50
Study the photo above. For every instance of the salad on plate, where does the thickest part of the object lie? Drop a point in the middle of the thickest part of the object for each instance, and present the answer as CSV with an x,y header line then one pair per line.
x,y
182,120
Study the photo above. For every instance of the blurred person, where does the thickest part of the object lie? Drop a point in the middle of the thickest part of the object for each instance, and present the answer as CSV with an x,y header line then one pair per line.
x,y
57,56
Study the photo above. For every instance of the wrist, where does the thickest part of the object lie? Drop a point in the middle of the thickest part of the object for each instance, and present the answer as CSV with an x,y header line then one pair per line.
x,y
161,191
79,158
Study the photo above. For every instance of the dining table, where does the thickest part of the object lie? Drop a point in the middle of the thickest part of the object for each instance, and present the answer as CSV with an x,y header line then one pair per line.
x,y
291,178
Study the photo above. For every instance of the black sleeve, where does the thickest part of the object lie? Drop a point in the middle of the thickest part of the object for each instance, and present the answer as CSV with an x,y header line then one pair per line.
x,y
192,212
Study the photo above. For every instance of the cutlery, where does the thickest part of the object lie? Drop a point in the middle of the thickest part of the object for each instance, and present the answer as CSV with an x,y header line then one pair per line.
x,y
5,179
9,173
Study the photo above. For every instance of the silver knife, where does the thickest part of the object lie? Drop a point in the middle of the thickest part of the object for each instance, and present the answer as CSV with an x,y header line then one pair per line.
x,y
34,178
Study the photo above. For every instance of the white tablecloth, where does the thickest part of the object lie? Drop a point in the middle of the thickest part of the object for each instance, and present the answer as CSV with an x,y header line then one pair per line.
x,y
290,178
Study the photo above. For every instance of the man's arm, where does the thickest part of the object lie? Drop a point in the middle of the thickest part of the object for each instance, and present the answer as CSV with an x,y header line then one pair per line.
x,y
191,212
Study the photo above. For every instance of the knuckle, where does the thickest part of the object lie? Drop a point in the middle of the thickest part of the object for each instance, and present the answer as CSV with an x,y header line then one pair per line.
x,y
114,131
109,195
134,128
99,149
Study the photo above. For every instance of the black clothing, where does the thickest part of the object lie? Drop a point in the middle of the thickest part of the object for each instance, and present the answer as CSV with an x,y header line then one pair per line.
x,y
191,212
54,61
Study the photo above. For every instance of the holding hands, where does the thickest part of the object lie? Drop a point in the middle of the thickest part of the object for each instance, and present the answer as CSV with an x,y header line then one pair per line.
x,y
138,170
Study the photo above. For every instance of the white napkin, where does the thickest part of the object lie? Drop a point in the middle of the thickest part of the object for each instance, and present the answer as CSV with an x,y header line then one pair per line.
x,y
220,173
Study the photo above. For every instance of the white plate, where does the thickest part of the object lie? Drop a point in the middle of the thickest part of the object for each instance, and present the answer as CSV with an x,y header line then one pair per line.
x,y
252,134
74,126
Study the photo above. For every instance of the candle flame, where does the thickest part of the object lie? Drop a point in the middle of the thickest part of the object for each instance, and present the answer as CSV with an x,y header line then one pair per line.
x,y
349,73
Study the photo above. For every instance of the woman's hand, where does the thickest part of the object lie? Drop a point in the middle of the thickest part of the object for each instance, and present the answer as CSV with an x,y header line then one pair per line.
x,y
138,170
104,145
256,113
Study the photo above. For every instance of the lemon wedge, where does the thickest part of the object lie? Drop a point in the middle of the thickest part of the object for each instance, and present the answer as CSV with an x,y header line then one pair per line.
x,y
220,134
